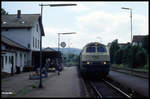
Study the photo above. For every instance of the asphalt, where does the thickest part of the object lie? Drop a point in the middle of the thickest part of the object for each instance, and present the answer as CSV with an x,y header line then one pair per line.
x,y
67,84
140,85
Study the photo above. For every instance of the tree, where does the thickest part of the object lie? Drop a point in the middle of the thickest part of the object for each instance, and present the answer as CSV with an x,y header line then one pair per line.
x,y
146,43
113,48
127,54
134,51
141,57
118,56
3,12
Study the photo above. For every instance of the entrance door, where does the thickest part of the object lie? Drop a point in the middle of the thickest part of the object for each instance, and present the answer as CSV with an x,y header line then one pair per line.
x,y
12,62
2,62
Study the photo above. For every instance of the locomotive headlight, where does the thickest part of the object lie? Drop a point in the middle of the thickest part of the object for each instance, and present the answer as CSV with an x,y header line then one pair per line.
x,y
88,62
104,62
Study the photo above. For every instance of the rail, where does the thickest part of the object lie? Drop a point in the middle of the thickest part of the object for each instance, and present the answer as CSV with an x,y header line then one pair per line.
x,y
104,89
123,93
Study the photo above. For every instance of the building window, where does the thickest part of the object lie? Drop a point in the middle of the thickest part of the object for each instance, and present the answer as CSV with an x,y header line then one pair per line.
x,y
20,59
9,59
16,59
28,45
38,43
37,28
5,59
2,61
33,42
24,59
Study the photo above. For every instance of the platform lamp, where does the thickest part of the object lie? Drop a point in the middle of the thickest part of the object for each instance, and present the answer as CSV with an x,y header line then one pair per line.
x,y
130,17
131,35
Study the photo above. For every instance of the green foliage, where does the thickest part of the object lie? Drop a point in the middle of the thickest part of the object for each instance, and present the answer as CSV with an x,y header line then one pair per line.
x,y
129,56
118,56
141,57
126,54
146,43
71,59
146,66
133,51
113,48
3,12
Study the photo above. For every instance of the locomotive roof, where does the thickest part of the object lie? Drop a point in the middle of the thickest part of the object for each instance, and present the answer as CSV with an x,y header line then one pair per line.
x,y
94,43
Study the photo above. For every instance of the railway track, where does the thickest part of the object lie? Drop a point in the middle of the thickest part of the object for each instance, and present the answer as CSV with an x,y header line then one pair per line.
x,y
104,89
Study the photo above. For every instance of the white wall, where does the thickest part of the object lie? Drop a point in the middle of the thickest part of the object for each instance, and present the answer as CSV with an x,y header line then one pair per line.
x,y
36,36
17,60
20,59
7,65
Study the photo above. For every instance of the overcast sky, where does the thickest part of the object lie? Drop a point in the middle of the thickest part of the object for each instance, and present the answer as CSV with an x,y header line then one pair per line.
x,y
92,21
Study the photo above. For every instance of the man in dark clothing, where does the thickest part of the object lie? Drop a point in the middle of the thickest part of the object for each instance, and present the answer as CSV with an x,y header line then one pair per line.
x,y
47,66
58,66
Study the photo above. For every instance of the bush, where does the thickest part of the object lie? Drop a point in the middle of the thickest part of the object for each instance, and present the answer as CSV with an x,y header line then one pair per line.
x,y
127,55
140,58
146,66
132,58
113,48
118,56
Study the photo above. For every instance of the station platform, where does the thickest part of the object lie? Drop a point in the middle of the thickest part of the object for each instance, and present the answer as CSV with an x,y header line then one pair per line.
x,y
67,84
140,85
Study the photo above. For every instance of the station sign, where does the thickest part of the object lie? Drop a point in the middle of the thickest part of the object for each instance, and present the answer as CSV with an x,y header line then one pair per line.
x,y
63,44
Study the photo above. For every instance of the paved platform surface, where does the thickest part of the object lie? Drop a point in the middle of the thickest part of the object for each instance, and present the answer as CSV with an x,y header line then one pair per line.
x,y
67,84
141,85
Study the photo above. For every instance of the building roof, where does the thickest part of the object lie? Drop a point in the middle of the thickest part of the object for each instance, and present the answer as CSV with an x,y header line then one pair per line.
x,y
25,21
138,38
11,43
48,49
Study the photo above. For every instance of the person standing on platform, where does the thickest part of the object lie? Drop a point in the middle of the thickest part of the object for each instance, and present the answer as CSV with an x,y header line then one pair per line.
x,y
58,66
47,67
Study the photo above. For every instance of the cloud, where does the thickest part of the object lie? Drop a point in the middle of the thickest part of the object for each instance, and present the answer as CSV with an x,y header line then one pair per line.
x,y
79,8
51,36
86,6
98,26
110,26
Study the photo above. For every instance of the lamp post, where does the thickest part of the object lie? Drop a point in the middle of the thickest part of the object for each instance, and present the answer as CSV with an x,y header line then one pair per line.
x,y
131,19
131,36
51,5
63,34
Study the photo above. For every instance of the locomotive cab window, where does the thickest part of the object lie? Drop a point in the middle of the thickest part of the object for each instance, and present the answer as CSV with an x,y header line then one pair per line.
x,y
101,49
90,49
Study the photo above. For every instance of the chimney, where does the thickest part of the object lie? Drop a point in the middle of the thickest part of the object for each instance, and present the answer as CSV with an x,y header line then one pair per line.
x,y
19,14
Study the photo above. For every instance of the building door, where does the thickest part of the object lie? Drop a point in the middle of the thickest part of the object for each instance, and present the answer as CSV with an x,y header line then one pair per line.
x,y
2,62
20,62
12,62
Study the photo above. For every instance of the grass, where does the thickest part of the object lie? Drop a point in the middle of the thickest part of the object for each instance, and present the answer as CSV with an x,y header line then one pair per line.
x,y
142,68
